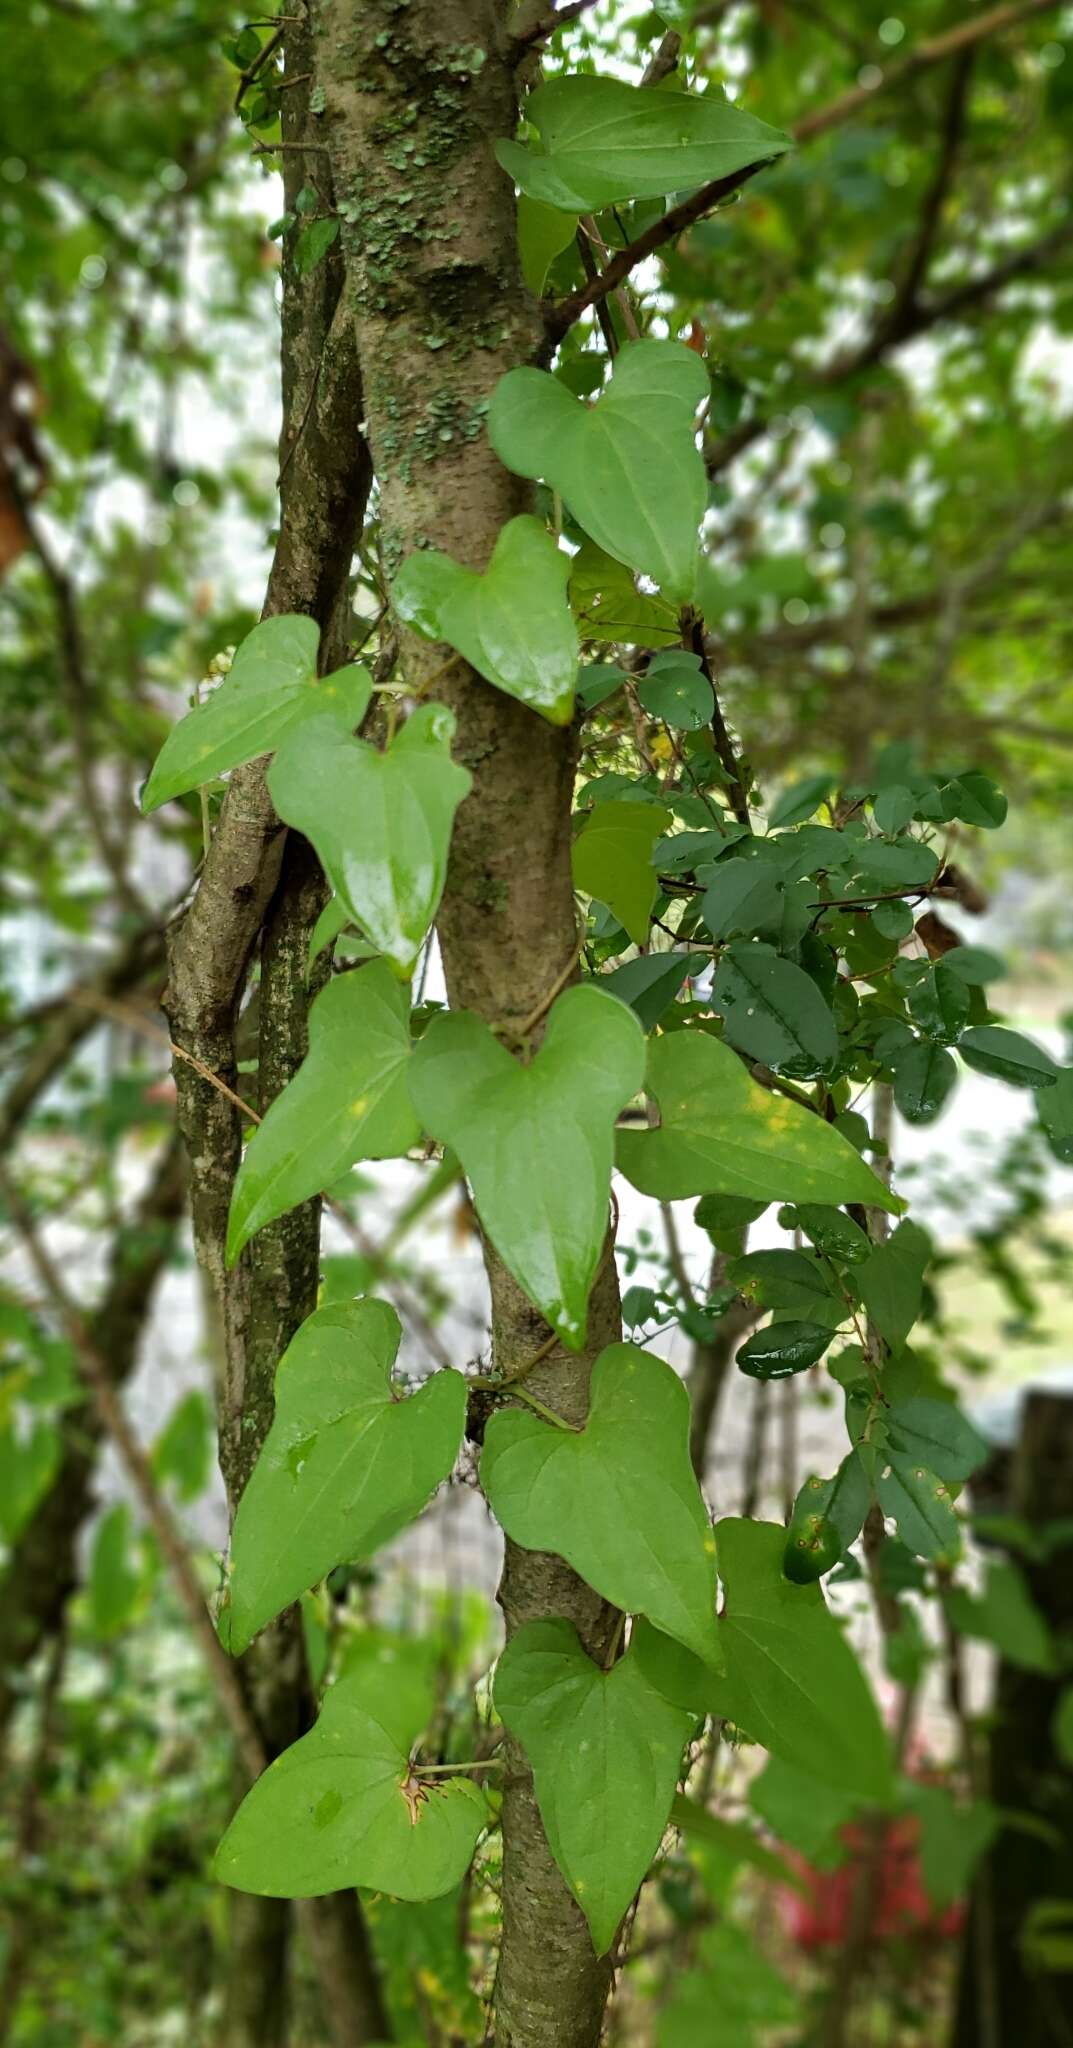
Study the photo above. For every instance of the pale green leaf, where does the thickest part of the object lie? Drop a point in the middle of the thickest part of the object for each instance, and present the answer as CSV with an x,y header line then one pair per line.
x,y
28,1459
609,605
512,623
791,1680
536,1141
720,1133
346,1464
379,822
612,861
605,1749
617,1499
333,1810
603,142
628,465
270,690
543,233
113,1581
348,1101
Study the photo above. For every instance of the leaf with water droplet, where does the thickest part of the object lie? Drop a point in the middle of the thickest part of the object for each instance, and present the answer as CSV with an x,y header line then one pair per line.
x,y
346,1464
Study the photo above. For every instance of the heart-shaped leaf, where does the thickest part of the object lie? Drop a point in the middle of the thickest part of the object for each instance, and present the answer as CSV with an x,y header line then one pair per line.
x,y
791,1679
612,861
270,690
340,1807
722,1134
628,466
348,1101
617,1499
605,1749
536,1141
609,605
345,1465
604,142
513,623
379,822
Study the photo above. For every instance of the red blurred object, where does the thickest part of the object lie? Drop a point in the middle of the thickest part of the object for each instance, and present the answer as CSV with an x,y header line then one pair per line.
x,y
820,1917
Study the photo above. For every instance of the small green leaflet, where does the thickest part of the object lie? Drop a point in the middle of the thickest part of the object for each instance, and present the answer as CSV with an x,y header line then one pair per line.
x,y
828,1516
617,1499
313,243
270,691
774,1012
1007,1056
722,1134
345,1465
543,233
113,1582
675,689
923,1078
603,142
650,983
609,605
513,624
890,1282
606,1750
339,1808
791,1680
628,465
536,1141
380,822
800,801
782,1349
348,1101
921,1505
612,861
183,1452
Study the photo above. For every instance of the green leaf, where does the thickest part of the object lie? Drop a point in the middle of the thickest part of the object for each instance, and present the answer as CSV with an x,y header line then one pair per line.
x,y
783,1349
791,1679
603,142
542,1196
975,964
313,243
953,1838
742,896
976,801
937,1434
28,1459
924,1075
774,1011
921,1505
617,1499
828,1516
606,1750
782,1279
1007,1056
380,823
675,689
734,1841
628,465
112,1583
1054,1108
609,605
345,1465
512,623
806,1812
543,233
800,801
612,861
1062,1726
333,919
333,1811
890,1282
722,1134
940,1003
270,691
735,1989
649,984
1006,1615
349,1100
183,1450
597,682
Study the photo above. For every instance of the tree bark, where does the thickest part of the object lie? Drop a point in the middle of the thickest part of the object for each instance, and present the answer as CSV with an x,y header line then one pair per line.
x,y
414,100
42,1571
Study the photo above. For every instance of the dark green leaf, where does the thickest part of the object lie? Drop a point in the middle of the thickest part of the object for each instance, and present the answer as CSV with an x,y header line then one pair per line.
x,y
675,689
924,1075
782,1349
774,1011
890,1282
1007,1056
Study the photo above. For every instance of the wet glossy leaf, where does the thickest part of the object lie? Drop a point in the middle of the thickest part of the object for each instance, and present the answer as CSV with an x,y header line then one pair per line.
x,y
924,1075
722,1134
542,1196
627,466
782,1349
774,1011
612,861
617,1499
940,1003
606,1750
512,623
349,1100
1007,1056
1054,1108
602,142
270,691
346,1464
791,1680
380,822
675,689
333,1810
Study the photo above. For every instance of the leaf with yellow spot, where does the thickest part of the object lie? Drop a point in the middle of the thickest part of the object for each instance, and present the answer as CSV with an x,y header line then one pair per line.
x,y
332,1811
720,1133
348,1101
346,1464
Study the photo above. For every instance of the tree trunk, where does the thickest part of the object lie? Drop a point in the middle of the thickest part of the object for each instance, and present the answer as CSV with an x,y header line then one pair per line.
x,y
440,313
1002,1997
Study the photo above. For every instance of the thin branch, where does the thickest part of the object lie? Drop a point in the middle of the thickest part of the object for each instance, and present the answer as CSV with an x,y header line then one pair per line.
x,y
550,23
664,59
95,1372
964,37
935,197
